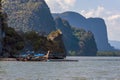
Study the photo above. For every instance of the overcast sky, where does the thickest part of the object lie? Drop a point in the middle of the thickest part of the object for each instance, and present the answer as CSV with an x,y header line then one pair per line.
x,y
109,10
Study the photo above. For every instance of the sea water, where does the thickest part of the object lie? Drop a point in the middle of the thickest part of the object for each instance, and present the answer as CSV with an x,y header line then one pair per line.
x,y
87,68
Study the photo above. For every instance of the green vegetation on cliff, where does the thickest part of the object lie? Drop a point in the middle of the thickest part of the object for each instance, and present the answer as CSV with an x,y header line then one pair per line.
x,y
24,18
12,42
96,25
52,42
39,42
70,41
87,42
108,53
78,42
36,20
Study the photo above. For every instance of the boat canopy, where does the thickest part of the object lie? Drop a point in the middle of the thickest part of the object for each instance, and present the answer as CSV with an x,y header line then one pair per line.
x,y
39,54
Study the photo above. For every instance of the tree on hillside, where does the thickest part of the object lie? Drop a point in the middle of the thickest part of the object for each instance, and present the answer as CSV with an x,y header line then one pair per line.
x,y
12,42
87,42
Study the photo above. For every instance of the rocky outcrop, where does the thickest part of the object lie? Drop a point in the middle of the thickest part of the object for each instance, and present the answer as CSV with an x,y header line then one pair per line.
x,y
96,25
25,15
38,43
87,42
70,41
57,37
79,41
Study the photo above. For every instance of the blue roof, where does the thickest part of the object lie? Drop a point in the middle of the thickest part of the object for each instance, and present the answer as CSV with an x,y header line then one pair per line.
x,y
23,55
39,55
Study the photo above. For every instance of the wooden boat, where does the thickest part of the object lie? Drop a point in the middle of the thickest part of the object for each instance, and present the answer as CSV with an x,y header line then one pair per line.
x,y
34,58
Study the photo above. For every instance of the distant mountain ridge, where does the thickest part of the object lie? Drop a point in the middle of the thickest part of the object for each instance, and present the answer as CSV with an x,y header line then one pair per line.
x,y
77,41
116,44
96,25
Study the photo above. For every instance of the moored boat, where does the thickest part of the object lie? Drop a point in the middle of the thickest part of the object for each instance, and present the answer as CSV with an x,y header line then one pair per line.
x,y
34,57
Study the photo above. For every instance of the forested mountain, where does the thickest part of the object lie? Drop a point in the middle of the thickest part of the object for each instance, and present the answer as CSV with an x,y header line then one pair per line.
x,y
96,25
15,42
34,15
77,41
87,42
28,15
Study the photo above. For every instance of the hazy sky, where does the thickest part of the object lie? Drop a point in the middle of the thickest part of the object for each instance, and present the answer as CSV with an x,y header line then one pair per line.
x,y
109,10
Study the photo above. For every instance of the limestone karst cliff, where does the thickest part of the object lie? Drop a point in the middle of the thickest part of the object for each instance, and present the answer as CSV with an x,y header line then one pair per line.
x,y
77,41
34,15
28,15
96,25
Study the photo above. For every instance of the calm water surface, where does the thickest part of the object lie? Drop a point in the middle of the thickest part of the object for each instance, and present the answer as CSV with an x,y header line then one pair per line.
x,y
88,68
